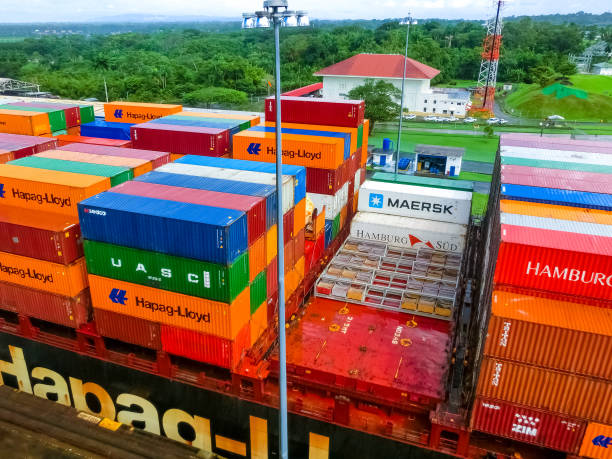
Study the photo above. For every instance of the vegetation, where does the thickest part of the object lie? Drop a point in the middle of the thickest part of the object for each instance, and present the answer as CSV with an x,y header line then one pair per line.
x,y
379,100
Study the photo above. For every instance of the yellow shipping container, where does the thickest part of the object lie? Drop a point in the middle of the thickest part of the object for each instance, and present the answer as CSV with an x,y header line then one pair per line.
x,y
24,122
139,166
597,442
134,112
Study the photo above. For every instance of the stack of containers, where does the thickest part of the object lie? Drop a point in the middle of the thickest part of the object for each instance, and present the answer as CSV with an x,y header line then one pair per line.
x,y
65,139
61,119
103,129
15,146
55,116
545,379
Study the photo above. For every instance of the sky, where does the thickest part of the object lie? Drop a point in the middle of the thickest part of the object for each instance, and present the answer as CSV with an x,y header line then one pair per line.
x,y
79,10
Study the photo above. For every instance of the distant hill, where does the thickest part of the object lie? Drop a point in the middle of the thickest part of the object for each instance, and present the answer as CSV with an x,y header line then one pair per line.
x,y
145,18
580,18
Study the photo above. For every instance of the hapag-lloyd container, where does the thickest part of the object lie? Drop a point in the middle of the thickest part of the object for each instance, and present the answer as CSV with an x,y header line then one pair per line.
x,y
24,122
540,388
72,113
138,166
67,139
199,314
175,228
106,130
134,112
528,425
415,201
305,110
556,155
596,441
128,329
157,158
557,196
550,333
253,207
356,133
409,232
25,145
537,209
184,140
333,203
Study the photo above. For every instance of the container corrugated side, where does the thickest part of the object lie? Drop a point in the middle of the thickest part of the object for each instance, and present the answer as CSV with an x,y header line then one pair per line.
x,y
128,329
271,243
559,143
535,387
555,173
299,216
332,203
556,196
259,322
184,140
550,154
417,180
135,112
537,209
298,243
272,278
72,113
306,110
67,139
354,132
257,257
157,158
24,122
202,315
106,130
366,139
138,166
258,290
252,119
597,441
57,118
326,181
571,166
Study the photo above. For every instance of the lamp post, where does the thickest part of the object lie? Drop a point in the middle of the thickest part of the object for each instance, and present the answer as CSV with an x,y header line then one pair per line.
x,y
406,21
276,12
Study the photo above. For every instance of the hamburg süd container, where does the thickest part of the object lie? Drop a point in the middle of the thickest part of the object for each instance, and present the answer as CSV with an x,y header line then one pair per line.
x,y
66,139
175,228
128,329
134,112
166,272
72,113
138,166
562,197
184,140
57,117
24,122
596,441
415,201
409,232
537,209
327,112
106,130
157,158
206,316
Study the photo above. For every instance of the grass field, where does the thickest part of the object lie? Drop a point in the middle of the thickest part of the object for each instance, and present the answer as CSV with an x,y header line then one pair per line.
x,y
598,84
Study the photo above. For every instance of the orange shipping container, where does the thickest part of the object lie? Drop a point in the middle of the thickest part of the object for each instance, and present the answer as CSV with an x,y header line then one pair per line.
x,y
355,201
139,166
23,122
314,127
299,150
537,209
52,191
74,130
291,283
135,112
257,257
299,216
597,442
6,156
364,144
205,316
175,156
299,268
271,244
67,280
259,322
566,393
253,119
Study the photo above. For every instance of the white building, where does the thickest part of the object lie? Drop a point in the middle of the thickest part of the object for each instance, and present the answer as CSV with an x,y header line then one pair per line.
x,y
419,98
603,68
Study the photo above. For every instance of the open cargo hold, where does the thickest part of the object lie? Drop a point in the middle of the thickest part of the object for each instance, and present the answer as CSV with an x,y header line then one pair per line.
x,y
535,141
157,158
116,174
128,329
253,207
550,333
184,140
297,172
25,145
415,201
559,256
409,232
306,110
538,209
564,393
182,275
552,164
220,319
69,139
252,119
57,118
24,122
106,130
268,192
175,228
135,112
528,425
43,235
72,113
299,150
596,441
417,180
138,166
557,196
333,204
48,190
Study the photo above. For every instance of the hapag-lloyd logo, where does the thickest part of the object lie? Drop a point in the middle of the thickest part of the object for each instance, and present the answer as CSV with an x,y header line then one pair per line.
x,y
299,153
568,274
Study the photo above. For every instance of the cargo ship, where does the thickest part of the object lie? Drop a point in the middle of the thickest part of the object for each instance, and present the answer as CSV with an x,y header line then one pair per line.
x,y
138,285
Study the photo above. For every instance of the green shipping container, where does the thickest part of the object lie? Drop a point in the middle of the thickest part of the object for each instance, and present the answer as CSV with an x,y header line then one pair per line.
x,y
430,182
336,227
57,118
116,174
360,136
166,272
602,169
87,114
259,291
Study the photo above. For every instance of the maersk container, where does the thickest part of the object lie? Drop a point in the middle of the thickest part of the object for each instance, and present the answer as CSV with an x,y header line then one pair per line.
x,y
297,172
268,192
175,228
183,140
556,196
415,201
573,166
557,155
235,175
57,118
71,112
305,110
166,272
409,232
417,180
558,183
333,203
158,158
106,130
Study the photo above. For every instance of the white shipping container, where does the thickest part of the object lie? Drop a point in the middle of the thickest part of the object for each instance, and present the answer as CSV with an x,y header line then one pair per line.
x,y
333,203
406,232
437,204
357,183
236,175
557,155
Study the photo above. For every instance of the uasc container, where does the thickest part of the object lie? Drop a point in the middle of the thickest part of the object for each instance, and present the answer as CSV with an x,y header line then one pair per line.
x,y
332,112
134,112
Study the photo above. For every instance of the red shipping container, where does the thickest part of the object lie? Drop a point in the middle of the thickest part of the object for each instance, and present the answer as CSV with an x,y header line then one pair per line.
x,y
253,206
272,278
71,112
325,181
25,145
182,140
128,329
306,110
299,241
527,425
68,139
560,183
206,348
362,176
157,158
38,304
288,223
289,256
555,173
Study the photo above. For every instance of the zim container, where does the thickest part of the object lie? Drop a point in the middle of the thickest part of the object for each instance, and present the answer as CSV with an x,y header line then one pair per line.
x,y
65,139
327,112
128,329
537,209
206,316
106,130
157,158
138,166
182,275
135,112
596,441
258,291
183,140
24,122
175,228
57,117
557,196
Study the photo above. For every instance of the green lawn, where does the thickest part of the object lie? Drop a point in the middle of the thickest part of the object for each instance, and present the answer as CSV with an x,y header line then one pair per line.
x,y
474,177
458,84
479,204
598,84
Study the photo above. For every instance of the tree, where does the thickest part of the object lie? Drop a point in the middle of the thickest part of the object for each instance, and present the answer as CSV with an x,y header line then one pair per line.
x,y
379,97
567,68
488,130
222,96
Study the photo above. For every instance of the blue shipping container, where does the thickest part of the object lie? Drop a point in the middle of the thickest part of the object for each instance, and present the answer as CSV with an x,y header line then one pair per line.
x,y
175,228
233,127
329,231
297,172
558,197
224,186
106,130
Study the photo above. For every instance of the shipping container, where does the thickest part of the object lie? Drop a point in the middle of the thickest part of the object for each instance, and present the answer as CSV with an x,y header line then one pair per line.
x,y
106,130
565,156
252,119
70,139
527,425
75,130
138,166
366,137
258,290
288,220
418,180
25,145
299,216
87,113
47,190
259,322
6,156
550,390
300,266
157,158
128,329
554,143
415,201
332,203
299,150
57,117
597,441
206,316
271,243
546,164
67,280
24,122
356,133
134,112
326,112
557,196
42,235
206,348
298,242
289,256
116,174
257,257
326,181
409,232
72,113
537,209
183,140
182,275
555,173
233,126
175,228
272,278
